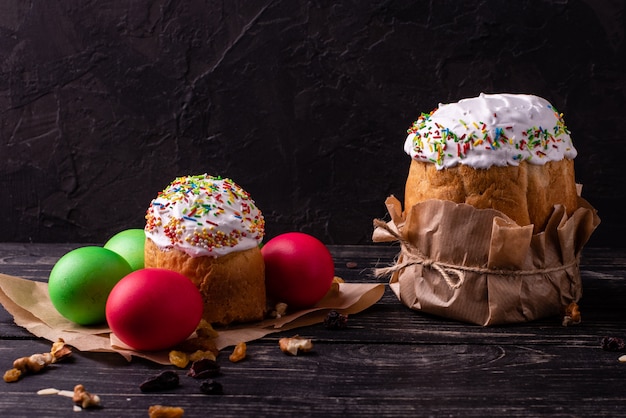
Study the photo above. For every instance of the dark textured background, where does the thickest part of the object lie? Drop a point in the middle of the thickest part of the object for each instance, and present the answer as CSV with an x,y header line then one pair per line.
x,y
304,103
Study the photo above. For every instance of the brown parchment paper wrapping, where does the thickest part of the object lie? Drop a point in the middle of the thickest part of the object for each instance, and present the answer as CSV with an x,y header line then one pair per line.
x,y
479,266
29,304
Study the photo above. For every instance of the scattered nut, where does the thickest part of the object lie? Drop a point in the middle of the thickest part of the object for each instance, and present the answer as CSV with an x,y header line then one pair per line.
x,y
164,381
204,368
37,362
278,311
85,399
572,315
294,345
34,363
160,411
31,364
60,351
239,353
211,387
622,359
281,309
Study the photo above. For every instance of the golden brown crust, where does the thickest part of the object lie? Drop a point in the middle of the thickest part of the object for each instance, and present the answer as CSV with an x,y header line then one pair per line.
x,y
526,193
232,286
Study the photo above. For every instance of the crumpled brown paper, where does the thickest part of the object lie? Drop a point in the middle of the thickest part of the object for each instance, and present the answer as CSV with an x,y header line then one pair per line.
x,y
30,305
479,266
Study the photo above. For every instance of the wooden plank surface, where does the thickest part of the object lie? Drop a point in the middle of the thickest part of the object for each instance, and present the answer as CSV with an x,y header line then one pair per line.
x,y
390,361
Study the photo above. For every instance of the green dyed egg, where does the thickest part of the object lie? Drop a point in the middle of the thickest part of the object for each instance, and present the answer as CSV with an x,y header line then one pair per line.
x,y
80,283
130,245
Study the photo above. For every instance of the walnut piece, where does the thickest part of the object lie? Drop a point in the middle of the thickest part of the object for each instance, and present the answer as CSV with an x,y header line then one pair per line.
x,y
33,363
277,311
85,399
239,353
295,345
572,315
37,362
60,351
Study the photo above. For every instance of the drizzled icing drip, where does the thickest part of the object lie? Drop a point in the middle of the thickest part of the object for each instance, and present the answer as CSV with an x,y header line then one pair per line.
x,y
204,216
491,129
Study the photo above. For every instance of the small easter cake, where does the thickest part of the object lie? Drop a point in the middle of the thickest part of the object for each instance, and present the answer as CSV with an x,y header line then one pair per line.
x,y
209,229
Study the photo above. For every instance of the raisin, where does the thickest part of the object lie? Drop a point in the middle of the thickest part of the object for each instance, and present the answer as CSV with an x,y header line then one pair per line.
x,y
204,368
12,375
160,411
164,381
199,355
211,387
613,344
179,359
335,320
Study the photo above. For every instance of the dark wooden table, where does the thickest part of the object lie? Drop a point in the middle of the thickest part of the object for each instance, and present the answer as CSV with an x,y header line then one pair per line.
x,y
391,361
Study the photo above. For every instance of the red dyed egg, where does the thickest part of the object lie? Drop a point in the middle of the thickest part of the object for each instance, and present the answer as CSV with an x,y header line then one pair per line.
x,y
299,269
154,309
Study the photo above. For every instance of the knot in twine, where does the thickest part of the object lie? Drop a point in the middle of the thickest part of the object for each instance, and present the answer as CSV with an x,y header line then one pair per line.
x,y
445,270
452,274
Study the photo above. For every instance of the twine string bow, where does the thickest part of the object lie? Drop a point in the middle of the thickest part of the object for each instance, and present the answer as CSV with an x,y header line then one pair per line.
x,y
452,274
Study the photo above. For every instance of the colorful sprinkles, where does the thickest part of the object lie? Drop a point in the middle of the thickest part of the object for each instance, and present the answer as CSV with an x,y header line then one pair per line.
x,y
433,141
206,213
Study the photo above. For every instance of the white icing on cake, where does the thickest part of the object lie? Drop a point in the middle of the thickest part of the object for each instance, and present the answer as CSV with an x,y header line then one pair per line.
x,y
204,216
491,129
